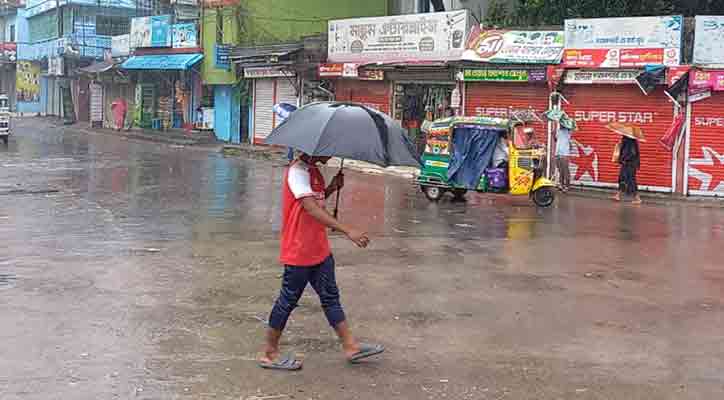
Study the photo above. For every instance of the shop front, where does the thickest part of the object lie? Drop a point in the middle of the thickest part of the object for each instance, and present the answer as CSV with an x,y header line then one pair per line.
x,y
270,86
164,89
600,97
603,57
705,148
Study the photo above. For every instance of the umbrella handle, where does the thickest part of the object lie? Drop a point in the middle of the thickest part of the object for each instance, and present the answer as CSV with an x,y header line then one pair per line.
x,y
336,203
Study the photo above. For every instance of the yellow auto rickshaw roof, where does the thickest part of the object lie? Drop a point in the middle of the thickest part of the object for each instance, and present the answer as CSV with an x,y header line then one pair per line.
x,y
447,123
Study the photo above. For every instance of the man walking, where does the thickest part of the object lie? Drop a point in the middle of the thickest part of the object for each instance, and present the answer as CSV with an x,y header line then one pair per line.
x,y
563,152
307,259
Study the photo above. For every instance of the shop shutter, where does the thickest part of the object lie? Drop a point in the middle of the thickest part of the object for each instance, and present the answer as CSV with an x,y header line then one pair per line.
x,y
374,94
421,76
593,107
263,104
496,99
286,93
706,148
96,103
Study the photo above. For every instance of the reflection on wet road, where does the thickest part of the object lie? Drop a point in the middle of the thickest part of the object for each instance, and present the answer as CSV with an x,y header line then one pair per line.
x,y
137,270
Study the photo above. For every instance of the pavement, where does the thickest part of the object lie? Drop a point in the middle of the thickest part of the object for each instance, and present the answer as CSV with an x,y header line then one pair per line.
x,y
132,269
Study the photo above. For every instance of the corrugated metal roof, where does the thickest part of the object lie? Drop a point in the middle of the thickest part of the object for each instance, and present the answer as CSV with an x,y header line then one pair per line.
x,y
98,67
279,50
163,61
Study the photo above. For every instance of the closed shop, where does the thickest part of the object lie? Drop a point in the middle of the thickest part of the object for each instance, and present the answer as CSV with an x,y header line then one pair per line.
x,y
596,105
267,93
96,104
706,147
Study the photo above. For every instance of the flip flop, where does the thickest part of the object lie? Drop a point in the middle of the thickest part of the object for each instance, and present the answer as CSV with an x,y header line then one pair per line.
x,y
366,351
285,363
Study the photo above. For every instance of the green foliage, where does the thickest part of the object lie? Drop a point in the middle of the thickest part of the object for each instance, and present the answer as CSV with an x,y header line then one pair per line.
x,y
554,12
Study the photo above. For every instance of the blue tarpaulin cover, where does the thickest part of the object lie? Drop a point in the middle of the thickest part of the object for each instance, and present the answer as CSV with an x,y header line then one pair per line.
x,y
473,148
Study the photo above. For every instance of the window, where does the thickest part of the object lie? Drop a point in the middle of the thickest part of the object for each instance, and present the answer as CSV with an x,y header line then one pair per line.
x,y
11,33
112,26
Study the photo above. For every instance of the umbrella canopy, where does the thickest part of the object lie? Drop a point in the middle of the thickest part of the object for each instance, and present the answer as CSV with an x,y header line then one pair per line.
x,y
346,130
560,116
630,131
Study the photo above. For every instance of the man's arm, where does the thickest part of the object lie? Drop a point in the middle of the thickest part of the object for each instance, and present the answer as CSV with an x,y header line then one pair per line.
x,y
320,214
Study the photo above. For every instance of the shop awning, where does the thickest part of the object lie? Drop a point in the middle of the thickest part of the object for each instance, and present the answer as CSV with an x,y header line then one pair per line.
x,y
163,61
98,67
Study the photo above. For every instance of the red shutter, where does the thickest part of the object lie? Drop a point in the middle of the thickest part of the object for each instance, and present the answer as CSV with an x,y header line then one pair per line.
x,y
706,148
495,99
375,94
593,107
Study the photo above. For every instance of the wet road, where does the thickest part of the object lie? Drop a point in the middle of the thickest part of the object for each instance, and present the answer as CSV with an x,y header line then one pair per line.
x,y
149,273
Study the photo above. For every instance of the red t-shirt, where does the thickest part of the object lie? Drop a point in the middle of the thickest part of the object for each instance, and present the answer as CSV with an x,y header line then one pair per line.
x,y
304,240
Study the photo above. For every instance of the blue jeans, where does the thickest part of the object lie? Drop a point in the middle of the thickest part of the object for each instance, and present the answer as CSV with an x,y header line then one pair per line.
x,y
290,154
295,280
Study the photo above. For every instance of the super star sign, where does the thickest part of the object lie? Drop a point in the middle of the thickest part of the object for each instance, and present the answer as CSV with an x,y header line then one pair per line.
x,y
708,170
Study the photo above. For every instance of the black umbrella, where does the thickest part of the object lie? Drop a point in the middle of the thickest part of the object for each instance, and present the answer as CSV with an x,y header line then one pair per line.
x,y
346,130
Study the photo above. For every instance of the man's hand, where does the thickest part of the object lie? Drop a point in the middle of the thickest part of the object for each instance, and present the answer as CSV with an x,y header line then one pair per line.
x,y
336,184
358,237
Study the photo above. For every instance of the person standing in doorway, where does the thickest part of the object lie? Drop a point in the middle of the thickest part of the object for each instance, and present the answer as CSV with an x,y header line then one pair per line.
x,y
563,152
629,159
307,259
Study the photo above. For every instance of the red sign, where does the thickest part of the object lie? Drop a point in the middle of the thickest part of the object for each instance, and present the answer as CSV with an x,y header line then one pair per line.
x,y
327,70
673,74
618,58
8,51
588,58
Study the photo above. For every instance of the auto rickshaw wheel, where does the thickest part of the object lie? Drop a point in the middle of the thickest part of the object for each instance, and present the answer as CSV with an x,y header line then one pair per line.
x,y
544,197
459,194
433,193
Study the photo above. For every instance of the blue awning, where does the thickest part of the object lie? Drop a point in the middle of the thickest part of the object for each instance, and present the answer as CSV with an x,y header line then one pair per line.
x,y
162,61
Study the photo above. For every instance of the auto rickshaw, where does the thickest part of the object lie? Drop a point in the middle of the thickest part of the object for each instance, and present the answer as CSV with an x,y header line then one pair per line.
x,y
524,170
4,118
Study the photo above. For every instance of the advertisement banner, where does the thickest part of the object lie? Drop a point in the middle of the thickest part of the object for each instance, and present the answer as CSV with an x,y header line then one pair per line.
x,y
673,74
330,70
601,77
222,56
502,75
416,37
121,45
709,40
623,42
152,31
267,72
8,51
184,36
713,80
27,82
520,47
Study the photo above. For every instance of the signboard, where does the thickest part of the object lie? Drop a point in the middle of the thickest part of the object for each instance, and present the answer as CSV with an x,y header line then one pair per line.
x,y
709,40
184,36
713,80
349,70
673,74
222,56
27,82
121,45
606,77
623,42
416,37
267,72
699,95
502,75
8,51
152,31
521,47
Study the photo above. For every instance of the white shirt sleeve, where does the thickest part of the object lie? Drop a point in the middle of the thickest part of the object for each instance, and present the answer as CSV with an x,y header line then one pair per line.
x,y
299,181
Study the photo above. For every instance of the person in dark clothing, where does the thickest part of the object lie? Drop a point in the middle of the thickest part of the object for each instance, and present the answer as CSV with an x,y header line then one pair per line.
x,y
630,160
